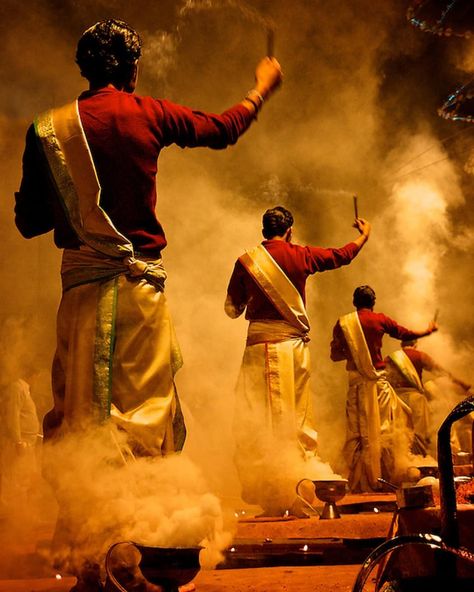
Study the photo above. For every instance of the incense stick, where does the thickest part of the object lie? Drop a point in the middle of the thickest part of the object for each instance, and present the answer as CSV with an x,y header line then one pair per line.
x,y
270,42
356,211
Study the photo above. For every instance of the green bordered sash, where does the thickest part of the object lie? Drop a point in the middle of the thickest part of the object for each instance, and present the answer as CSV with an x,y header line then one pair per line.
x,y
72,169
407,369
65,146
104,346
276,285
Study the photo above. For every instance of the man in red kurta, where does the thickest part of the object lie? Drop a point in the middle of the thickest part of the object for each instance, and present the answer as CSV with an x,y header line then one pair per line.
x,y
89,174
125,134
405,373
374,431
273,423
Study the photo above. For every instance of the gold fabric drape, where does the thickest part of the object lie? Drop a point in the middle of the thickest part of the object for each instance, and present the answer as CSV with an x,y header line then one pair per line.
x,y
377,438
116,348
273,421
276,285
414,396
139,360
406,367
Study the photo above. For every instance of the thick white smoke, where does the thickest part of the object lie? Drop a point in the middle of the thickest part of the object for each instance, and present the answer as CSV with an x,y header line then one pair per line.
x,y
324,136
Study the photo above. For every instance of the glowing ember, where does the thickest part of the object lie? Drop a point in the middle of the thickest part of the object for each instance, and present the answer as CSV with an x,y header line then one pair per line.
x,y
58,576
305,547
376,510
232,549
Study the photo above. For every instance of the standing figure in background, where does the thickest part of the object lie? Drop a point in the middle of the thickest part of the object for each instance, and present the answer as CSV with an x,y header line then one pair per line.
x,y
273,423
89,174
405,373
378,436
19,431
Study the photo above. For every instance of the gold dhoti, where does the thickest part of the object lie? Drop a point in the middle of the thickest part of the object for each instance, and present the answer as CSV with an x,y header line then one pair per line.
x,y
117,353
273,417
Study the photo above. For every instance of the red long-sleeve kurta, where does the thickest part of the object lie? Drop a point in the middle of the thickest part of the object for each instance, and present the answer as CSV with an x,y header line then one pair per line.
x,y
374,326
421,361
297,262
126,134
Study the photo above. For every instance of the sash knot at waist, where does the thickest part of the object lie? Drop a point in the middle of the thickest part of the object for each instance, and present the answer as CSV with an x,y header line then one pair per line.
x,y
274,332
85,265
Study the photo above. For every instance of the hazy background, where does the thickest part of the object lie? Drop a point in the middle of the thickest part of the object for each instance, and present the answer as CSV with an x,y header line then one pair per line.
x,y
356,113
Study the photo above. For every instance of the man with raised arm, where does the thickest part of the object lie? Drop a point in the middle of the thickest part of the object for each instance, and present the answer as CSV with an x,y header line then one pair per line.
x,y
405,373
273,420
89,174
378,437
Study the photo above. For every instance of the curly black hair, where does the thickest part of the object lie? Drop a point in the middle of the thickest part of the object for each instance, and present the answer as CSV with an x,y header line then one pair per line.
x,y
363,297
276,222
108,51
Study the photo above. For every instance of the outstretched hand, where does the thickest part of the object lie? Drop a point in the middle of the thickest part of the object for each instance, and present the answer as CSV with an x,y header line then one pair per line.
x,y
362,226
268,76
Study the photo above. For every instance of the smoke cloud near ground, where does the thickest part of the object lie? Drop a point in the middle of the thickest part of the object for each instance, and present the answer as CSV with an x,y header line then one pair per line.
x,y
356,114
153,501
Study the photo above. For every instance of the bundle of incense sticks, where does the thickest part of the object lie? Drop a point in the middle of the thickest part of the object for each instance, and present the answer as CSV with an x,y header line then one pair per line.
x,y
356,210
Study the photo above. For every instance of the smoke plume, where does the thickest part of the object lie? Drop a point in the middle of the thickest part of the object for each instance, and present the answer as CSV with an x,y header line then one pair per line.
x,y
357,107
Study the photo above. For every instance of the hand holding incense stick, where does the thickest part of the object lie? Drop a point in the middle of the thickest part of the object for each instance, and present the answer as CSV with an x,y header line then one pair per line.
x,y
356,211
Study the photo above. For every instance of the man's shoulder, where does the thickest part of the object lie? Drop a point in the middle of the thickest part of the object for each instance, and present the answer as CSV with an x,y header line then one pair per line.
x,y
105,96
281,246
371,314
381,317
374,320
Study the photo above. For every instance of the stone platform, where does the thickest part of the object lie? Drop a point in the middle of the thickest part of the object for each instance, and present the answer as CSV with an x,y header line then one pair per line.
x,y
325,566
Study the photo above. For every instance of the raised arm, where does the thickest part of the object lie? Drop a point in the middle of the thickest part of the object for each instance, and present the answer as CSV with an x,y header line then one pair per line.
x,y
323,259
268,77
190,128
364,228
429,364
397,331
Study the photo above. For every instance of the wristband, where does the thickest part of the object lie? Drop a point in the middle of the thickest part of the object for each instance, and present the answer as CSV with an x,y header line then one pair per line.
x,y
254,103
253,96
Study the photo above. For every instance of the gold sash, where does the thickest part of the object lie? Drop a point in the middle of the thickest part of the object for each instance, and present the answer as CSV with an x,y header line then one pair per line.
x,y
70,161
384,411
105,252
276,285
357,344
94,271
406,367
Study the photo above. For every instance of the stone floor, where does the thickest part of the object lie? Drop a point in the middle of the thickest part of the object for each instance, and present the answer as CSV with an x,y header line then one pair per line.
x,y
23,570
